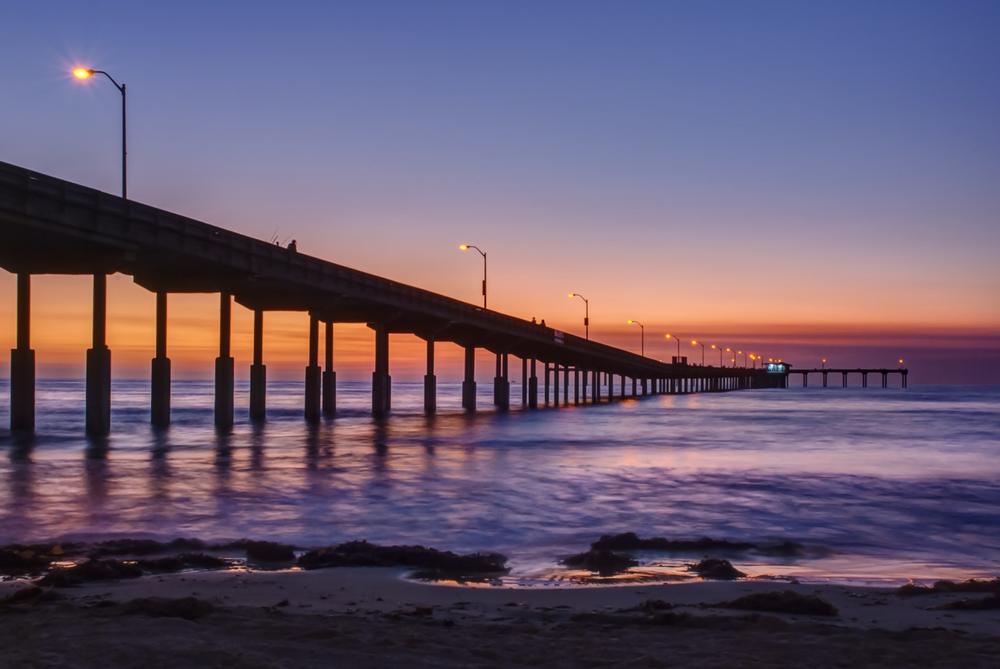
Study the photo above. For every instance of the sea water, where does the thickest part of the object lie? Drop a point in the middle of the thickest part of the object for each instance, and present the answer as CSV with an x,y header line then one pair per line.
x,y
878,485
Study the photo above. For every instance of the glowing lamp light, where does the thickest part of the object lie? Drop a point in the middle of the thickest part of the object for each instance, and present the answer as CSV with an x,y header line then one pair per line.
x,y
463,247
83,72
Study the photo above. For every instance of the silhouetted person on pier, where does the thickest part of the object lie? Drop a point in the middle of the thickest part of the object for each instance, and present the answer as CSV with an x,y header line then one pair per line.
x,y
293,246
533,321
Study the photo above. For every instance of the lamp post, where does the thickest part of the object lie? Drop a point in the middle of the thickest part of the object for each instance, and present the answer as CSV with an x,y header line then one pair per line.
x,y
676,339
823,363
901,361
586,312
642,329
733,357
466,247
719,349
84,73
695,342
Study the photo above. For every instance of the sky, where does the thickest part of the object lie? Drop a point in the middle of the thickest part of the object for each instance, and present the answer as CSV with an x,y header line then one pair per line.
x,y
802,179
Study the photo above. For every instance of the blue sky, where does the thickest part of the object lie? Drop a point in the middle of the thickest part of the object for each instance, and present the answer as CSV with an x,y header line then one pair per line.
x,y
649,153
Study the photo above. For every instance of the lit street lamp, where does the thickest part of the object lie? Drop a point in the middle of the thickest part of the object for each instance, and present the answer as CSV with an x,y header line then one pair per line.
x,y
695,342
719,348
642,328
85,73
676,339
466,247
586,317
823,362
901,361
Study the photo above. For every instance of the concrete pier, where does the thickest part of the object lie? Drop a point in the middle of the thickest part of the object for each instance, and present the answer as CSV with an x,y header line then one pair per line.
x,y
258,371
159,396
99,365
22,362
313,374
596,390
381,381
469,382
329,376
430,381
224,378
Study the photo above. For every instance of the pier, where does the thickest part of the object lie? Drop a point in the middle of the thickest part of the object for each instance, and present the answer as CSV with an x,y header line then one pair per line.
x,y
860,373
51,226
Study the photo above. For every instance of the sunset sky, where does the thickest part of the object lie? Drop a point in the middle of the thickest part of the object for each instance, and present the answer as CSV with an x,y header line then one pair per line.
x,y
803,179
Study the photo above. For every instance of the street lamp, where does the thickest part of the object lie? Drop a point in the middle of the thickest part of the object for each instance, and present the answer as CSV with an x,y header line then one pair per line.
x,y
719,348
901,361
823,362
670,336
586,317
642,329
85,73
744,354
466,247
695,342
733,358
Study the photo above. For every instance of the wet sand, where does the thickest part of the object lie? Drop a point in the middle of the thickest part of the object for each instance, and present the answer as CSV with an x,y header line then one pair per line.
x,y
372,617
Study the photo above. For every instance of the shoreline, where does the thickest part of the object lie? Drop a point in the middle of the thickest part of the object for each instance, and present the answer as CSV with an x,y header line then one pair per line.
x,y
374,616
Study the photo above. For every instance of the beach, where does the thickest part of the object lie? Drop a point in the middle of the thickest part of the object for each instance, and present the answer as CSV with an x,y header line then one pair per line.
x,y
373,617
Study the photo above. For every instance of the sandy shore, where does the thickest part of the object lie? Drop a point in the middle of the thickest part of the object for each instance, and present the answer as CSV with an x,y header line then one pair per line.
x,y
371,617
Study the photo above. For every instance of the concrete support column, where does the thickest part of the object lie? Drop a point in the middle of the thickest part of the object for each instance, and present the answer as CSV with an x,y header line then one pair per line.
x,y
381,381
533,388
904,375
430,381
611,387
622,388
565,385
501,383
469,383
576,385
329,376
645,386
99,364
22,362
824,379
885,379
596,390
159,396
224,380
555,385
258,372
634,386
524,382
548,372
864,379
313,374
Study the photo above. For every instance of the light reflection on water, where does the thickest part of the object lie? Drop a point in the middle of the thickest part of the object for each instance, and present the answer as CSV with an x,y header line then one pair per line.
x,y
896,483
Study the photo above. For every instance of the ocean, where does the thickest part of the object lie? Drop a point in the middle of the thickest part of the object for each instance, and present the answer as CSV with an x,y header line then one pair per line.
x,y
878,486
